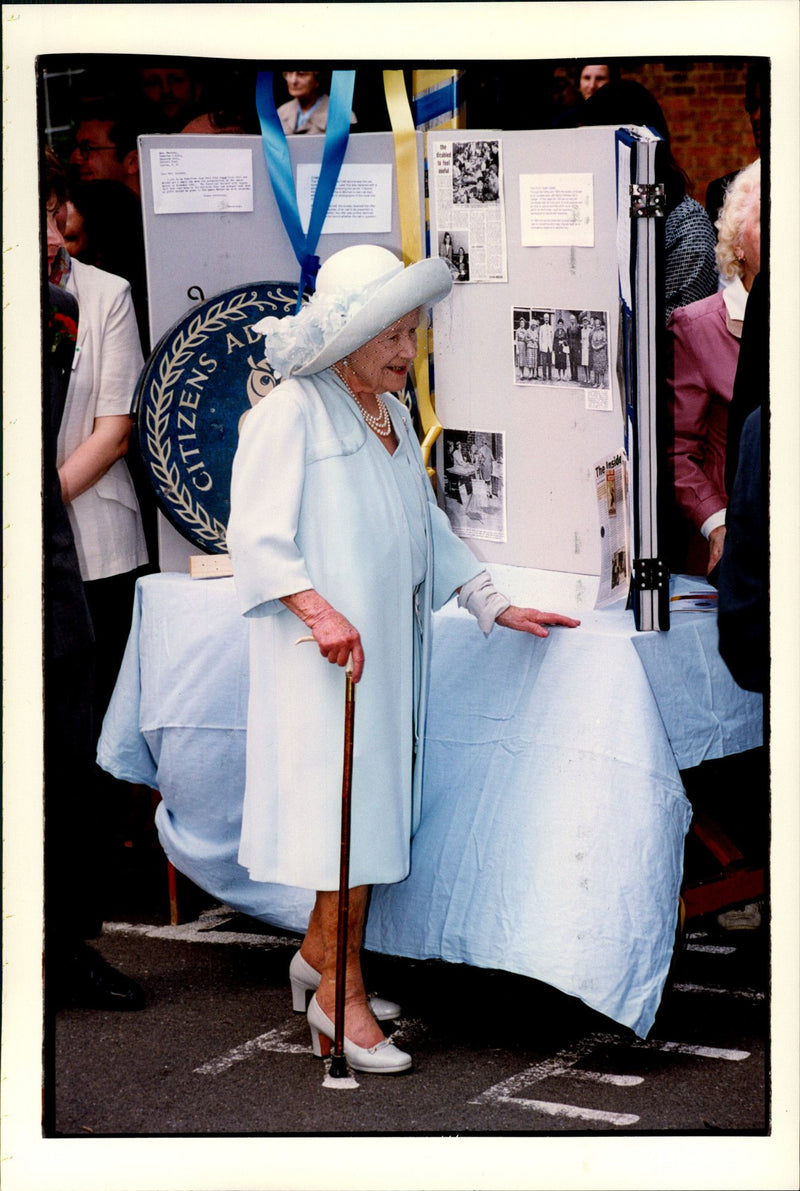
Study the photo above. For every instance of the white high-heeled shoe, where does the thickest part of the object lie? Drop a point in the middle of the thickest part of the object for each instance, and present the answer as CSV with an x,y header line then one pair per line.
x,y
304,980
382,1059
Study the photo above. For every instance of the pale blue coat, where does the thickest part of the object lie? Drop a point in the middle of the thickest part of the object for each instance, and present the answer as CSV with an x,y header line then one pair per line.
x,y
318,502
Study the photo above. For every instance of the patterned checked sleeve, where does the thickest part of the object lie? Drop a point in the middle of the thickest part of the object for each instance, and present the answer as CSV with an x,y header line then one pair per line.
x,y
690,266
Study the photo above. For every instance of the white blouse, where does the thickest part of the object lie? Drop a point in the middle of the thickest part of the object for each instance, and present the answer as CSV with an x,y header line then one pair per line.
x,y
105,519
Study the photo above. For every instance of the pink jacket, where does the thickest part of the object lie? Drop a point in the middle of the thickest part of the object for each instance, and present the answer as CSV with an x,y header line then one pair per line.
x,y
702,366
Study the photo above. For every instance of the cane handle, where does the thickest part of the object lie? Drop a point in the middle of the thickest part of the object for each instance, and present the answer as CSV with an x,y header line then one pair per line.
x,y
348,667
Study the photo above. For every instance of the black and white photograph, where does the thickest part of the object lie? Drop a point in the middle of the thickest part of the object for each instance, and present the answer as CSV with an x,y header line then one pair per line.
x,y
473,493
476,172
559,346
454,250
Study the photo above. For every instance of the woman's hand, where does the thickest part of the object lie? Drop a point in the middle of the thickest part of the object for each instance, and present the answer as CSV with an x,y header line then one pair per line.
x,y
337,639
334,634
530,620
716,544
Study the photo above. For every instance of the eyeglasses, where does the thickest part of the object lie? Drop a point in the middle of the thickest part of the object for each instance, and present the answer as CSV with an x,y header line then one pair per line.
x,y
84,148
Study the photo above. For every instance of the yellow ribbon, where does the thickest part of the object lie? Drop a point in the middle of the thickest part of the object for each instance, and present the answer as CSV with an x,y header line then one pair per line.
x,y
407,171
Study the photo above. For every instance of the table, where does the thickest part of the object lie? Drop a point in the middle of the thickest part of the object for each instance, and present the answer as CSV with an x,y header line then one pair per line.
x,y
551,839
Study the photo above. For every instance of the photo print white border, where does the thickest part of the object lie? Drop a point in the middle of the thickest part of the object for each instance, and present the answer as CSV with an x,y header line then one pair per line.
x,y
473,490
578,364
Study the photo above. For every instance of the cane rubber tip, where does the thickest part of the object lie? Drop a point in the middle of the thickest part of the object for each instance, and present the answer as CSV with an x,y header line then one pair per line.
x,y
343,1083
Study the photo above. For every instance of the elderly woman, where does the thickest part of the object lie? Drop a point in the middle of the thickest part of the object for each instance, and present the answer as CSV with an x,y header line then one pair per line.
x,y
705,349
334,526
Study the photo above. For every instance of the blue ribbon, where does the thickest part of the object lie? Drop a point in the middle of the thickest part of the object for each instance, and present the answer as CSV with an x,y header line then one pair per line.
x,y
279,166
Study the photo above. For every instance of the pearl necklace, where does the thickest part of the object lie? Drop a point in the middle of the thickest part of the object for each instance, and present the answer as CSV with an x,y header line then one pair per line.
x,y
381,423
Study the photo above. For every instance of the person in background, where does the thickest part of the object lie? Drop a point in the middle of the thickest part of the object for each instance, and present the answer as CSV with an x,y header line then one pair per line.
x,y
104,228
75,973
592,76
589,77
93,440
105,144
228,99
690,270
704,342
170,92
306,111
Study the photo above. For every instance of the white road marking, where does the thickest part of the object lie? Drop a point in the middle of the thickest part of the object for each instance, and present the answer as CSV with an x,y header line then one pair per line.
x,y
747,994
703,1052
619,1081
710,949
561,1064
275,1041
195,932
564,1064
574,1111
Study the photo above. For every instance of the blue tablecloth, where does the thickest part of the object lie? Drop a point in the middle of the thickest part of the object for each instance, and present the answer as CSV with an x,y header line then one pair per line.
x,y
553,820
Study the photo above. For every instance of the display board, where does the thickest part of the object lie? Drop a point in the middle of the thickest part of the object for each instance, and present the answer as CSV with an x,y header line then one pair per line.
x,y
211,224
544,248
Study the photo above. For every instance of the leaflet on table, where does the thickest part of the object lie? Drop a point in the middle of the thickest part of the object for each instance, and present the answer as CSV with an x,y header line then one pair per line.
x,y
613,508
473,492
188,181
694,601
467,208
361,202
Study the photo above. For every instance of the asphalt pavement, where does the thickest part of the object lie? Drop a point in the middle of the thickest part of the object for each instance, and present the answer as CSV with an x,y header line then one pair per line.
x,y
218,1051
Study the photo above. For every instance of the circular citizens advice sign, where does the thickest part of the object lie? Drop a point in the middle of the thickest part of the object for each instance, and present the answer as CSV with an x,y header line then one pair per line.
x,y
203,376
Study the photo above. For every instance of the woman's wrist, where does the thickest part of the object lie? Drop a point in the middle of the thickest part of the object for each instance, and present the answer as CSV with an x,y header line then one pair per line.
x,y
307,606
482,600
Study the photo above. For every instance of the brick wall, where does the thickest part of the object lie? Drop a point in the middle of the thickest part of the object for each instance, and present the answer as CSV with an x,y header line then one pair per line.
x,y
703,103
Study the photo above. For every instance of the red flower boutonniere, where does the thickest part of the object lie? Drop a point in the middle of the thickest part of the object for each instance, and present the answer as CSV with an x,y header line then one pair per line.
x,y
64,331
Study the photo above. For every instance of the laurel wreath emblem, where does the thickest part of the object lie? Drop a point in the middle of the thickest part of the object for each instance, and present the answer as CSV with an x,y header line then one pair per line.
x,y
166,472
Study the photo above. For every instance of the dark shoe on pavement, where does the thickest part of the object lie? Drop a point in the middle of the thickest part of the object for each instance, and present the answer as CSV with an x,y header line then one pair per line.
x,y
87,979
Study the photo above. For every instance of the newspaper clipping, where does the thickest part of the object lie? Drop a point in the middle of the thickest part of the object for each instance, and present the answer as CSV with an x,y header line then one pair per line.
x,y
473,491
611,479
560,346
468,208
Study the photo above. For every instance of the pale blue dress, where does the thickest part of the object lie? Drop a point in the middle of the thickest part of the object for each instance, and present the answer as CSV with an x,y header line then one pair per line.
x,y
318,502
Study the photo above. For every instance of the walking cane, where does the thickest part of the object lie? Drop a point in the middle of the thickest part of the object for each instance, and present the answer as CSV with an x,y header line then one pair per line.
x,y
338,1070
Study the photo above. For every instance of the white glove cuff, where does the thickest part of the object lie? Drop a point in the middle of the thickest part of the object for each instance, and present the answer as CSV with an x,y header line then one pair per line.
x,y
482,600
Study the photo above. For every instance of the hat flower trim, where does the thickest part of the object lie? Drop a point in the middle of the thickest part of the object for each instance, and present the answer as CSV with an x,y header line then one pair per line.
x,y
293,341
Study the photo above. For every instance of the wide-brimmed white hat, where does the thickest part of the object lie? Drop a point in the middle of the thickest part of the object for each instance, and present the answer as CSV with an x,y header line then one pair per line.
x,y
361,291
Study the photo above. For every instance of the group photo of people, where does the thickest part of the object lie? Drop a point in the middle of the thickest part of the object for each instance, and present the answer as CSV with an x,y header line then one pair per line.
x,y
555,347
476,172
343,833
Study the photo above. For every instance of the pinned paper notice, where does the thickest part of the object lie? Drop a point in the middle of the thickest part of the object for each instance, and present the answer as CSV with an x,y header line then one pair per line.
x,y
556,209
187,181
361,202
